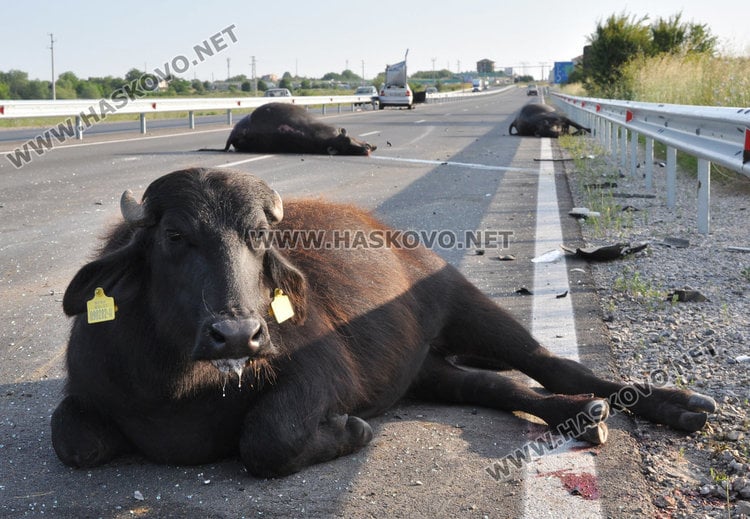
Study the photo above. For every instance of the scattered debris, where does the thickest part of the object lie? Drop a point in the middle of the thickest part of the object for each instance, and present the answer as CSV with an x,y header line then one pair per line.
x,y
633,195
730,248
479,252
601,185
583,212
629,209
686,295
548,257
607,252
523,291
677,243
560,296
506,257
137,495
553,160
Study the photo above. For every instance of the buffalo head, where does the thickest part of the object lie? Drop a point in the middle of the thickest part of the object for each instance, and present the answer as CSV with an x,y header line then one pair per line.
x,y
343,144
188,262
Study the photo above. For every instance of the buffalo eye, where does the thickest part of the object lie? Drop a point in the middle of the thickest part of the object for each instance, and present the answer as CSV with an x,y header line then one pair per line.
x,y
173,235
256,239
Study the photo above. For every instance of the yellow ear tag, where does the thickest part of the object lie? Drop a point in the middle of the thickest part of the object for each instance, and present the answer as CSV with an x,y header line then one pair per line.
x,y
281,307
101,308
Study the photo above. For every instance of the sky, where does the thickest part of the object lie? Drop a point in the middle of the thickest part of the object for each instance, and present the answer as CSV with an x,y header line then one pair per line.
x,y
310,38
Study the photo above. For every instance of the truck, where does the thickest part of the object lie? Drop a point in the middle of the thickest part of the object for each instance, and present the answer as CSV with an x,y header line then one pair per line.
x,y
396,91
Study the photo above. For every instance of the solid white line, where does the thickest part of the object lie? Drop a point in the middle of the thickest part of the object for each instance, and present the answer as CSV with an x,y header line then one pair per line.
x,y
449,163
59,146
553,324
369,133
420,121
231,164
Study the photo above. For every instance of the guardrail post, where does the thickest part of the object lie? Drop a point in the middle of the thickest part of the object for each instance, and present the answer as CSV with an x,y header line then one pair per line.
x,y
229,117
633,153
649,163
191,120
143,123
704,196
79,128
624,147
671,175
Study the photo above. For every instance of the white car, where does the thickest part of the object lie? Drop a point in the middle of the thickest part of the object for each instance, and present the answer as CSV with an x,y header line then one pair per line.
x,y
277,92
393,95
369,91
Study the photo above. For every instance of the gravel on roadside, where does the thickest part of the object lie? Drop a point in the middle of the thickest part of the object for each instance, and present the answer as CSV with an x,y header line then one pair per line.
x,y
702,344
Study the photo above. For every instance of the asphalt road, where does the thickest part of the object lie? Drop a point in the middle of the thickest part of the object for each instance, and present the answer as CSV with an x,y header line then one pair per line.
x,y
437,167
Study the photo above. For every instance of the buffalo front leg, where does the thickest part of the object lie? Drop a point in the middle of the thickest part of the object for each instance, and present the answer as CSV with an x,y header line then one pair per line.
x,y
82,437
489,332
281,439
575,416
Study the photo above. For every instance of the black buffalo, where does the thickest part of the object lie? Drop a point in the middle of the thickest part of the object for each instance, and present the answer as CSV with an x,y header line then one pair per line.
x,y
288,128
193,269
541,120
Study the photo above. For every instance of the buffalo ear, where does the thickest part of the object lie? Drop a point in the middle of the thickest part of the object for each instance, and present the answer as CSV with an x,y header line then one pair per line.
x,y
288,278
342,131
117,272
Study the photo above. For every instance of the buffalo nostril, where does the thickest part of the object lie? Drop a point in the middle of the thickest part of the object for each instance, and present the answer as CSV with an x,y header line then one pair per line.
x,y
256,335
230,338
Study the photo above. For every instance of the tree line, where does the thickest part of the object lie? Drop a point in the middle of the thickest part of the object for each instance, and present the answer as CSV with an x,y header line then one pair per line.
x,y
621,38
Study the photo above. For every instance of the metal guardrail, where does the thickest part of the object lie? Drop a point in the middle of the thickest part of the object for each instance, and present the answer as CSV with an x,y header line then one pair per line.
x,y
717,135
91,111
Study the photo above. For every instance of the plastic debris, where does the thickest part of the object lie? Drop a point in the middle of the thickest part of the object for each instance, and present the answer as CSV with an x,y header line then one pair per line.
x,y
583,212
548,257
607,252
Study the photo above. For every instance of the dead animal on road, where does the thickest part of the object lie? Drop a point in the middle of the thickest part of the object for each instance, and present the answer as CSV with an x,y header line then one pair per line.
x,y
541,120
203,329
288,128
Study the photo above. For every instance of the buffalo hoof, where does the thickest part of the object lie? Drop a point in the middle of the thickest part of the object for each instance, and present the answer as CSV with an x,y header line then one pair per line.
x,y
677,408
596,434
595,413
588,423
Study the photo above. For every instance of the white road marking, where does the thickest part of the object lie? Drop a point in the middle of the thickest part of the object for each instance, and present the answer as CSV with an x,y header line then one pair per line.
x,y
59,146
369,133
550,480
253,159
420,121
449,163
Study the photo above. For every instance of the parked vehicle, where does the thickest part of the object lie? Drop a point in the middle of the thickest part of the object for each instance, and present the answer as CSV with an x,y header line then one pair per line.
x,y
532,90
277,92
370,91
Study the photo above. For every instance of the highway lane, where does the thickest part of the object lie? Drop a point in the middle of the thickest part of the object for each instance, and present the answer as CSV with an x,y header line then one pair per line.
x,y
438,167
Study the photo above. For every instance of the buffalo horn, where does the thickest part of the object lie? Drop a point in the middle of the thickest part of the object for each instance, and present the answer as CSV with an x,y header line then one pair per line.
x,y
133,212
277,209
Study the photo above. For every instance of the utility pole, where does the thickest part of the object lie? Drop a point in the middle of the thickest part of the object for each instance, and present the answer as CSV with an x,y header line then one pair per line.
x,y
52,53
433,71
228,72
363,72
255,78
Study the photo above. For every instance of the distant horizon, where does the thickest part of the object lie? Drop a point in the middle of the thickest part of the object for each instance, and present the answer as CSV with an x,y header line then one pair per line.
x,y
311,40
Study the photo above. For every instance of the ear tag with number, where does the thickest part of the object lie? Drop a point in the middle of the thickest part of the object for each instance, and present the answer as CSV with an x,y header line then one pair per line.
x,y
101,308
281,307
